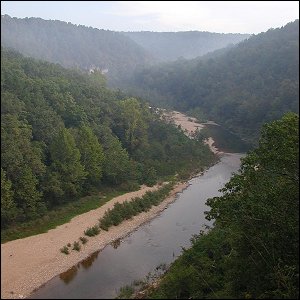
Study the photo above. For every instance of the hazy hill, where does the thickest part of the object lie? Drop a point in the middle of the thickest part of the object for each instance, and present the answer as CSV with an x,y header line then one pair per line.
x,y
73,46
116,54
253,82
168,46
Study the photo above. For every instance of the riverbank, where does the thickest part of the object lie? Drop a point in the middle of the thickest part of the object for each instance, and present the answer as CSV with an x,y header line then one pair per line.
x,y
210,142
30,262
190,126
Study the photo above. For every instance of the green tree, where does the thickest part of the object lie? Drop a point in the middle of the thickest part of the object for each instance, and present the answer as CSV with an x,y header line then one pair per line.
x,y
65,156
92,155
117,165
133,122
17,148
22,160
8,206
260,210
27,195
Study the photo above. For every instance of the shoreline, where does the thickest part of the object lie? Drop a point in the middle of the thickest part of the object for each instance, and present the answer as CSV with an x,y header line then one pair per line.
x,y
190,125
21,276
210,142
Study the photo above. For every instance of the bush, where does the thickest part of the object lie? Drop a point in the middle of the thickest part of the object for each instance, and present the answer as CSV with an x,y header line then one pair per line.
x,y
76,246
126,210
104,226
126,292
92,231
64,250
83,239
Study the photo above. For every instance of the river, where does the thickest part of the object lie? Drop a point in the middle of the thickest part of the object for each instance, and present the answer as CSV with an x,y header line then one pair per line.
x,y
158,242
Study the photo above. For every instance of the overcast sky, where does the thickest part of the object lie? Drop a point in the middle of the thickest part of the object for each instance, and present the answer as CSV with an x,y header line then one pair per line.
x,y
213,16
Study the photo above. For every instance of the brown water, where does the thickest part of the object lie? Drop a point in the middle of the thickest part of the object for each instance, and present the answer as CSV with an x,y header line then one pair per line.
x,y
158,242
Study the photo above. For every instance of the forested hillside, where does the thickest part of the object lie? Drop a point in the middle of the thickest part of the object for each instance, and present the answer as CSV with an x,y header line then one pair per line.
x,y
252,252
64,134
117,54
253,82
168,46
74,46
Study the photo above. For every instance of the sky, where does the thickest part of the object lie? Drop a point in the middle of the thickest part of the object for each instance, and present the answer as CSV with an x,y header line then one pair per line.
x,y
213,16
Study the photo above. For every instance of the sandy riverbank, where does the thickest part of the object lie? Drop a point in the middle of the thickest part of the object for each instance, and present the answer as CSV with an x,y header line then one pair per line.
x,y
28,263
190,126
210,142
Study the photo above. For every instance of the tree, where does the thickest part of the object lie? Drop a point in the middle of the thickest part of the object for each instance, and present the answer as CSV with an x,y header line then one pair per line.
x,y
252,252
117,165
8,206
22,160
27,196
65,157
133,123
260,211
17,148
92,155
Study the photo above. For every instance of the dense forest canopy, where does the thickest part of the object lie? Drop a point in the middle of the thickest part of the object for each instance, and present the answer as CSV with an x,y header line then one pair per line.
x,y
63,134
241,88
252,252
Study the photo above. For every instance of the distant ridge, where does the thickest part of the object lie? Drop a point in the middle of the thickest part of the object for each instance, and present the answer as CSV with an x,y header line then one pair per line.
x,y
117,54
73,46
169,46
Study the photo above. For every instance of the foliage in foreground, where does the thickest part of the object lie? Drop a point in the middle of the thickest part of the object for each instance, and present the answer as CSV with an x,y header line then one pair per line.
x,y
253,249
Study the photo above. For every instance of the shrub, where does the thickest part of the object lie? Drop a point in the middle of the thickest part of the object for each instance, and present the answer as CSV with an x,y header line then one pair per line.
x,y
76,246
69,244
126,210
92,231
104,226
64,250
83,239
126,292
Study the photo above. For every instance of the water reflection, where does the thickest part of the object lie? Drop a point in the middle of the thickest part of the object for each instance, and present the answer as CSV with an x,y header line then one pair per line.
x,y
70,274
87,263
225,140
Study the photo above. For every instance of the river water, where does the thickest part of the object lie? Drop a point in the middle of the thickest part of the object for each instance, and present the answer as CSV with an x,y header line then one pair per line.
x,y
158,242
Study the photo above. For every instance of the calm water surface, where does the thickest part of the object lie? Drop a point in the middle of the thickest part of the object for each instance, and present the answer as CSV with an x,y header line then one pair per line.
x,y
157,242
225,140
